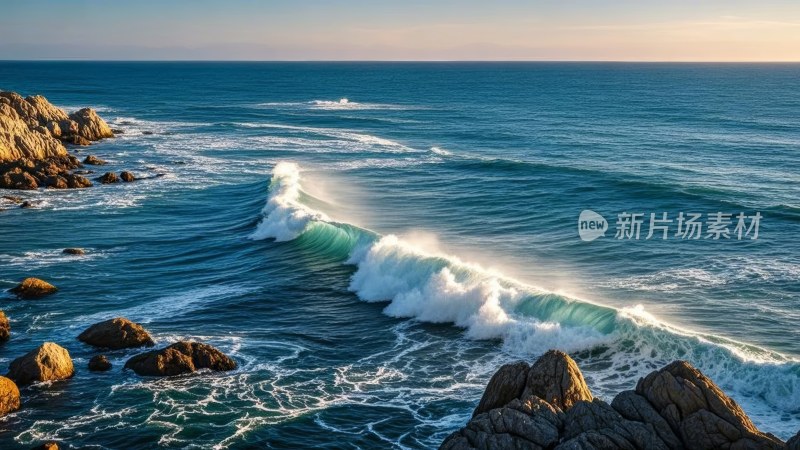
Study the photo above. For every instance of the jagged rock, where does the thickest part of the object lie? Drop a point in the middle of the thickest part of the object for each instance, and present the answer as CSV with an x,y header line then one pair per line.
x,y
99,363
20,139
48,362
57,183
179,358
588,425
529,424
74,251
633,406
76,139
794,442
556,379
9,396
77,182
94,161
18,179
109,178
90,126
33,288
699,412
505,385
5,327
127,176
116,333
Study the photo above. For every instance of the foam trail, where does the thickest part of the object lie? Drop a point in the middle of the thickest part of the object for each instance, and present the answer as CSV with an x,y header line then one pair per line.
x,y
440,288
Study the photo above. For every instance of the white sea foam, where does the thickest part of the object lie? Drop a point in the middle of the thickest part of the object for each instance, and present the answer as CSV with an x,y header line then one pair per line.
x,y
335,105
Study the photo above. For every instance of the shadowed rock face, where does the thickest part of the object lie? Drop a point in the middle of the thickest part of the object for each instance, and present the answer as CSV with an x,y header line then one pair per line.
x,y
179,358
48,362
115,334
99,363
548,406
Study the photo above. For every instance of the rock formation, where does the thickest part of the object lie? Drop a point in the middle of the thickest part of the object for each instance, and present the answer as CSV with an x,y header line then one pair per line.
x,y
108,178
116,334
9,396
179,358
48,362
47,446
5,327
99,363
127,176
32,132
31,288
548,406
74,251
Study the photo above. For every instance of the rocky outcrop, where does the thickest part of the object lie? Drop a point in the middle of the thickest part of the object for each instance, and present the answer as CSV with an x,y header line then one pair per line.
x,y
54,172
9,396
5,328
179,358
115,334
32,133
48,362
99,363
548,406
127,176
31,288
74,251
94,161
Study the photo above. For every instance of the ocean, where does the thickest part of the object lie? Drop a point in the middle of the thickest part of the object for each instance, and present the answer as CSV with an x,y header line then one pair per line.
x,y
371,241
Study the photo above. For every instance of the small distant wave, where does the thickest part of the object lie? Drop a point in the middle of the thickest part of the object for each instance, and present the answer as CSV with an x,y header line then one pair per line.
x,y
441,288
440,151
333,105
45,258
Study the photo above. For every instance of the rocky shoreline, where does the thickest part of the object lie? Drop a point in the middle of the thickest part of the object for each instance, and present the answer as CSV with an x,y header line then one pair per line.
x,y
33,139
51,362
547,405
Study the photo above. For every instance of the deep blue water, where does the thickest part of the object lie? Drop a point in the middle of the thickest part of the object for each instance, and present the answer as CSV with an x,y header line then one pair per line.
x,y
413,239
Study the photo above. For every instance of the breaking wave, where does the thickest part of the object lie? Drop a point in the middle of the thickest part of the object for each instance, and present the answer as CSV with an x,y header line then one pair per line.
x,y
617,346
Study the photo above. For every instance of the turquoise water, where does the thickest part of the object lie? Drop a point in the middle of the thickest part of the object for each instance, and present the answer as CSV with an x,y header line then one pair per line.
x,y
370,263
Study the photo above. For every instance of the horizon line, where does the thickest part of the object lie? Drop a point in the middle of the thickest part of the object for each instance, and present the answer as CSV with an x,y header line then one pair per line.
x,y
644,61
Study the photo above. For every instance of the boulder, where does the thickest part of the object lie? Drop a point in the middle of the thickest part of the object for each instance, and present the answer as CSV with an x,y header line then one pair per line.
x,y
5,327
46,446
99,363
556,379
77,182
9,396
116,333
179,358
127,176
33,288
48,362
90,125
73,251
94,161
18,179
794,442
109,178
698,412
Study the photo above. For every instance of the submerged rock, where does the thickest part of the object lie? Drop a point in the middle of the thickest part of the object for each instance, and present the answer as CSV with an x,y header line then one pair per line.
x,y
99,363
548,406
116,333
31,288
9,396
179,358
48,362
73,251
47,446
5,327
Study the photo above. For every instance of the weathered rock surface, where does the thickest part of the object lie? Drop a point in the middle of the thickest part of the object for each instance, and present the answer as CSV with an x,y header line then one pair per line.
x,y
548,406
31,288
74,251
47,446
115,334
9,396
109,178
48,362
32,132
127,176
94,161
5,327
179,358
99,363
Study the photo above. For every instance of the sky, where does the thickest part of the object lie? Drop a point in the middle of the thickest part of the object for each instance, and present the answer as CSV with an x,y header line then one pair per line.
x,y
571,30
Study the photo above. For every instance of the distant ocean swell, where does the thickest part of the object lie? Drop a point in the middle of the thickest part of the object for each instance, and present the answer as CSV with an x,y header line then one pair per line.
x,y
622,344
